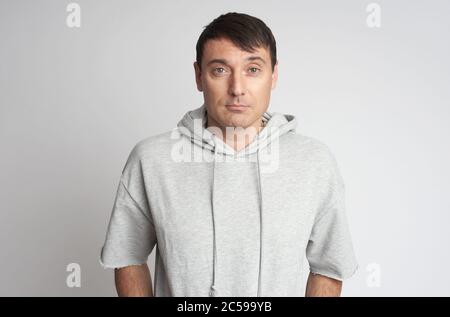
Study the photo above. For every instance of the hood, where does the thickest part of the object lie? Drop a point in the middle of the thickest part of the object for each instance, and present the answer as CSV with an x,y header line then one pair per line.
x,y
275,126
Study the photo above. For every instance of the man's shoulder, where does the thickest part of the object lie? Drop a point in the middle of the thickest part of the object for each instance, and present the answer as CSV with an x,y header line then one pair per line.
x,y
154,145
155,142
311,150
306,143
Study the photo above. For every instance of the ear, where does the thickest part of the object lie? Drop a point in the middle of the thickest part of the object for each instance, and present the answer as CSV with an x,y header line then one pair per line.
x,y
198,76
275,75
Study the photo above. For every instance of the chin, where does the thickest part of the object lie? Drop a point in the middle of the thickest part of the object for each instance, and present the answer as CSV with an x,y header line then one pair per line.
x,y
244,123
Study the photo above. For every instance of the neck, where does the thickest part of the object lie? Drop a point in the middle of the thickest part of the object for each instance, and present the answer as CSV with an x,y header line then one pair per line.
x,y
237,137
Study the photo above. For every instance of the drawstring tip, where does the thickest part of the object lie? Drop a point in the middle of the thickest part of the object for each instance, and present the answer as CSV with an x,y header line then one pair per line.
x,y
212,292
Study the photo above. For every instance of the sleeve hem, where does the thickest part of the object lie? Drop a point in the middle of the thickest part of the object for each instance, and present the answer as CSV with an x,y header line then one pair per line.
x,y
339,277
120,264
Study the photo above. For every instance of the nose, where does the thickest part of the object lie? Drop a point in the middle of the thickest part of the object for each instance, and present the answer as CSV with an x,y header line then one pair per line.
x,y
236,85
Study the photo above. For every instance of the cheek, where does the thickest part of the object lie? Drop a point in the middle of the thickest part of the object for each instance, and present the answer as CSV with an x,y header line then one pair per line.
x,y
261,89
215,88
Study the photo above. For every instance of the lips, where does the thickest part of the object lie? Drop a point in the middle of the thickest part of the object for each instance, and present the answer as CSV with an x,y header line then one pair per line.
x,y
236,107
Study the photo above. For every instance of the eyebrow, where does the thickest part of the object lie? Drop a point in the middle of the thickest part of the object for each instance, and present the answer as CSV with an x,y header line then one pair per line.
x,y
224,61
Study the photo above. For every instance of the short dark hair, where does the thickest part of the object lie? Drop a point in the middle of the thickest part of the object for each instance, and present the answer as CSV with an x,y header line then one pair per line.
x,y
245,31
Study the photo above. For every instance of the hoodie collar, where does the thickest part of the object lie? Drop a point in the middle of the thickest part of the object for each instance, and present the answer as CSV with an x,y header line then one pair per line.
x,y
193,125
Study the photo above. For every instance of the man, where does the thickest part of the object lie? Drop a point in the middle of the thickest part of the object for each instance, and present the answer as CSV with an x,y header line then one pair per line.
x,y
234,198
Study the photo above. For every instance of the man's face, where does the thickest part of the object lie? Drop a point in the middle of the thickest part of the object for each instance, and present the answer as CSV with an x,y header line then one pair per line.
x,y
230,76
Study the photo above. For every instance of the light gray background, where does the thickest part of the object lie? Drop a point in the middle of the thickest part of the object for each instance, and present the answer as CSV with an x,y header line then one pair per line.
x,y
75,101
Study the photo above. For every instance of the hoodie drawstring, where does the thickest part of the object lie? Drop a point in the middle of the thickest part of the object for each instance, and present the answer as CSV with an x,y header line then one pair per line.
x,y
212,291
260,225
213,288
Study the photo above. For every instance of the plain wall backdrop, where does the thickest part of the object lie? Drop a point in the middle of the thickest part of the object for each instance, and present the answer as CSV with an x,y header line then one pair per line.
x,y
74,101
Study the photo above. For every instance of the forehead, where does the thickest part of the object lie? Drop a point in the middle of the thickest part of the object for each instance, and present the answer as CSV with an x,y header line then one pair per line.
x,y
225,49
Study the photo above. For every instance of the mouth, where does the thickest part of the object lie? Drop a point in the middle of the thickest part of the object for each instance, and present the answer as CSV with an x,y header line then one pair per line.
x,y
236,107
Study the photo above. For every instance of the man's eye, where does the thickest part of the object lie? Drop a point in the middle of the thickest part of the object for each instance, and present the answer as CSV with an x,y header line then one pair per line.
x,y
219,70
254,69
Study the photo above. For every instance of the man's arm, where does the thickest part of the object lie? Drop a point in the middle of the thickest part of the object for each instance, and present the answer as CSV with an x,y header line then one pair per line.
x,y
133,281
319,285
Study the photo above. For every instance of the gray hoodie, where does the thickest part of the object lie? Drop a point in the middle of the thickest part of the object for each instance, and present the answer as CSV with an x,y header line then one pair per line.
x,y
230,223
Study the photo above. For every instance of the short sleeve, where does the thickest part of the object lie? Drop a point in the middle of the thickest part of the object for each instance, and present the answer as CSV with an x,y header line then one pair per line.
x,y
130,235
330,249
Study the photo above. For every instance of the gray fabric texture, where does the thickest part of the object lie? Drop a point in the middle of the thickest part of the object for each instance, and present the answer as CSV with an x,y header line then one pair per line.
x,y
231,223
